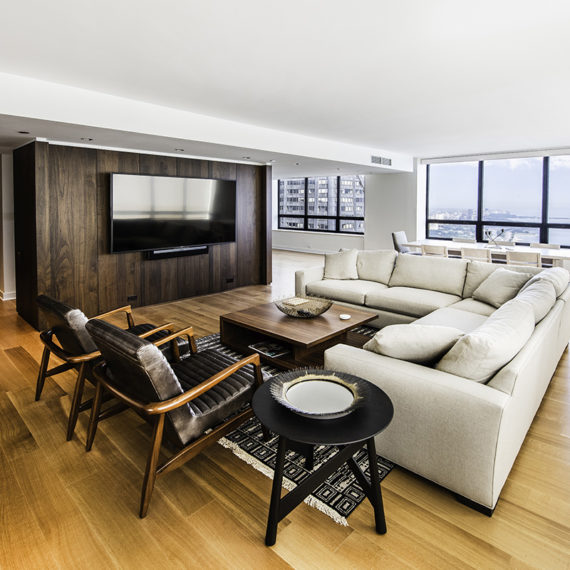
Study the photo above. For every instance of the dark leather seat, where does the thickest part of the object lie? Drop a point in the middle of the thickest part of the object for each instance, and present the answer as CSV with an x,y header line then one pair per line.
x,y
76,347
194,401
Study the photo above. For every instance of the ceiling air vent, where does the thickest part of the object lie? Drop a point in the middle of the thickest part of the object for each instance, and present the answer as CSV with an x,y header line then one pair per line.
x,y
381,160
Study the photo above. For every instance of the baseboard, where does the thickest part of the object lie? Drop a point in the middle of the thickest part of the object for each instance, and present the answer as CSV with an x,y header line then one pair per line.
x,y
7,295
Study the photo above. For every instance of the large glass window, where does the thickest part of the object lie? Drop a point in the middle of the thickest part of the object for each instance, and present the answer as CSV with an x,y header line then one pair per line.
x,y
322,203
524,200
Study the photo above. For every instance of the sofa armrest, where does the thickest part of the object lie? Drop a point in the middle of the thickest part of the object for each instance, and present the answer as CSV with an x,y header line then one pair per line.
x,y
445,427
305,276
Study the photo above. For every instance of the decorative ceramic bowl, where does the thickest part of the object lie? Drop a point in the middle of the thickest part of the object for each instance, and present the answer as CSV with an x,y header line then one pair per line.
x,y
316,393
303,307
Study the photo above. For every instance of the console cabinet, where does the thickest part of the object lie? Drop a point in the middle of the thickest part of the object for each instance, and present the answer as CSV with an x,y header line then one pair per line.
x,y
61,209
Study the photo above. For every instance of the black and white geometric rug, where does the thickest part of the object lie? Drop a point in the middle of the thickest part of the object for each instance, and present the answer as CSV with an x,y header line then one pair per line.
x,y
338,496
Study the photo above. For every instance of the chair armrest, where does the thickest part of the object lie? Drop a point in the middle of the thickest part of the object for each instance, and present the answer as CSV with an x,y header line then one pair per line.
x,y
188,332
46,338
154,408
305,276
126,309
167,326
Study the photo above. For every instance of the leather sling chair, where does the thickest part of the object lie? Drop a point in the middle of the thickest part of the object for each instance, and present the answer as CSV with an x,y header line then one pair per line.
x,y
191,402
77,350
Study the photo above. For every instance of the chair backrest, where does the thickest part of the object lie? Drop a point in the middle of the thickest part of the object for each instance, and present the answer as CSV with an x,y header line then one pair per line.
x,y
399,239
138,369
479,254
545,245
68,325
530,258
463,240
439,250
504,243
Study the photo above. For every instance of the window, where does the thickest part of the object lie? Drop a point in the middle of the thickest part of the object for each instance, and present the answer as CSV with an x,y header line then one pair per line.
x,y
322,203
524,200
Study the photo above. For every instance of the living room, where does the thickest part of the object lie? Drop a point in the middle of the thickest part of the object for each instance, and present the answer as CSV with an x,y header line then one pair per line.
x,y
254,94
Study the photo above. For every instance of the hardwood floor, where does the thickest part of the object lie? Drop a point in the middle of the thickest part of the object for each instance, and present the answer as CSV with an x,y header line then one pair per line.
x,y
64,508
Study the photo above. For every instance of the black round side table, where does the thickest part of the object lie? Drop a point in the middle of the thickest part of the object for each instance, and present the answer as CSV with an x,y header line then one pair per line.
x,y
348,433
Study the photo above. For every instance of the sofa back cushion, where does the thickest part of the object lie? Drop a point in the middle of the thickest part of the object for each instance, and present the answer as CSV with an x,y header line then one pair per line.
x,y
341,265
541,296
558,276
478,271
479,354
376,265
438,274
501,286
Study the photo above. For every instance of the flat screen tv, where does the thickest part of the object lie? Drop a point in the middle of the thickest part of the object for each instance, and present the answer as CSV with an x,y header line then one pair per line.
x,y
164,212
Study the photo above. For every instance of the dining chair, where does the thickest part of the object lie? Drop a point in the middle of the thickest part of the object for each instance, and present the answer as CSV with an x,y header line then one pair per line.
x,y
434,250
545,245
476,254
530,258
190,403
399,239
463,240
500,243
68,339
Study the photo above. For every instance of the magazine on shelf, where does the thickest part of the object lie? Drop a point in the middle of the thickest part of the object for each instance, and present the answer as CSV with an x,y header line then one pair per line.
x,y
271,349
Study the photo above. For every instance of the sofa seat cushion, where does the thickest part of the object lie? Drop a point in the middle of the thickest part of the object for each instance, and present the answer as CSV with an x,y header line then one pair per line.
x,y
454,318
409,300
470,305
432,273
349,291
479,354
413,342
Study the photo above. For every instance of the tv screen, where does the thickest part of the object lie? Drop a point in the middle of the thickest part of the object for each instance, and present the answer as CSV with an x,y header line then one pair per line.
x,y
160,212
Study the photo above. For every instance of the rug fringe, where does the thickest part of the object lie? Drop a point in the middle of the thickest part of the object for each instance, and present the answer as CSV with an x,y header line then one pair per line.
x,y
287,483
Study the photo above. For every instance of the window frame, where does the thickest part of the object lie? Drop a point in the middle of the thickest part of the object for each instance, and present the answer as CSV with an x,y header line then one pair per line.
x,y
543,226
306,216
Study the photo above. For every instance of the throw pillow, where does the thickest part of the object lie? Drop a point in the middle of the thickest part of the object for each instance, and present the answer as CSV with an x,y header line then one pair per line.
x,y
376,265
341,265
558,276
482,352
540,295
414,343
501,286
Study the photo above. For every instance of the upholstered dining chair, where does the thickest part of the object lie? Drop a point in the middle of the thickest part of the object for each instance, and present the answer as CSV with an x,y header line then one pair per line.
x,y
530,258
463,240
434,250
399,239
191,402
476,254
67,339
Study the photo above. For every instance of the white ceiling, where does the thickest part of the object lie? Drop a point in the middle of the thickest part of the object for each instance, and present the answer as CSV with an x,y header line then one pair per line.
x,y
422,78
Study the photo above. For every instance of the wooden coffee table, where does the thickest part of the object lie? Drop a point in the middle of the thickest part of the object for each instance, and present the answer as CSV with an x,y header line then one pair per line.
x,y
304,339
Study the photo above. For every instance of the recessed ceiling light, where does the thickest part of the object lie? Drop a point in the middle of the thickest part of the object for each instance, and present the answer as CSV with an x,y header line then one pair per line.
x,y
297,164
272,160
246,157
179,149
86,139
23,132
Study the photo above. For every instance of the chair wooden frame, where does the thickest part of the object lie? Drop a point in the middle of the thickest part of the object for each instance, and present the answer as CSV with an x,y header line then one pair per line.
x,y
159,411
81,363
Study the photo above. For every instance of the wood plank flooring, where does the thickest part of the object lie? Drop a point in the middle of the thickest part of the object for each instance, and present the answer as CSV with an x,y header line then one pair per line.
x,y
63,508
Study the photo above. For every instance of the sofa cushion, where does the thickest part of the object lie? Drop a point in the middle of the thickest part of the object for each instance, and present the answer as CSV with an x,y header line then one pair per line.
x,y
501,286
341,265
541,296
451,317
347,290
558,276
478,271
479,354
414,343
408,300
433,273
376,265
470,305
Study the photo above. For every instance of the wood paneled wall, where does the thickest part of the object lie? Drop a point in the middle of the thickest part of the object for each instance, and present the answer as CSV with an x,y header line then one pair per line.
x,y
62,232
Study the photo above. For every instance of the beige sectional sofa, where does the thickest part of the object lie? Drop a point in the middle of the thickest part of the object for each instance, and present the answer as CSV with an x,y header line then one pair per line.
x,y
466,365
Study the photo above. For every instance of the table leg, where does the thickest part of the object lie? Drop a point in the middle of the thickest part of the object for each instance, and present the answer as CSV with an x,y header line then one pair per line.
x,y
273,519
376,492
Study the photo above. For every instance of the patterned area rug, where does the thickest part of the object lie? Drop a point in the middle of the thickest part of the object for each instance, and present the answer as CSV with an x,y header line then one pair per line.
x,y
339,495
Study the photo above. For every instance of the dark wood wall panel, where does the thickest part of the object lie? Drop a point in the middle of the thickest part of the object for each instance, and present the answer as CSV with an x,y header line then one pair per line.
x,y
62,232
119,274
73,212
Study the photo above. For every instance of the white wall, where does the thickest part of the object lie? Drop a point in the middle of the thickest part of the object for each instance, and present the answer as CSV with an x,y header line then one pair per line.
x,y
394,202
7,252
315,242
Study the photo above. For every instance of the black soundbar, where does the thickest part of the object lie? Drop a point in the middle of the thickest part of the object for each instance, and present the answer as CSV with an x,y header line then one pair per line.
x,y
175,252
